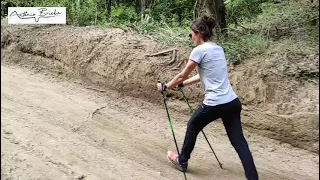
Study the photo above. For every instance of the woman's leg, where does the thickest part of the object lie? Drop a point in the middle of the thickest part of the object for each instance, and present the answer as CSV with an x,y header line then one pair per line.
x,y
232,124
203,116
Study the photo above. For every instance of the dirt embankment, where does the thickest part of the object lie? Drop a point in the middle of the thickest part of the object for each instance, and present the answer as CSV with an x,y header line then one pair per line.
x,y
280,95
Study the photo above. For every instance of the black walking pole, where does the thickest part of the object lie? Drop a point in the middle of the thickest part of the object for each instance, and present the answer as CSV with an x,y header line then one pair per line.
x,y
185,99
174,137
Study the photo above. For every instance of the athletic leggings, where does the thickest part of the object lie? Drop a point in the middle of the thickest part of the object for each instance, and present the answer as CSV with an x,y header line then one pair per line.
x,y
230,115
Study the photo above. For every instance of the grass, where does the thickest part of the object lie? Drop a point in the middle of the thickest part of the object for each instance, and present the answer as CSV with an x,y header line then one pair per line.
x,y
4,20
288,27
291,18
238,48
163,32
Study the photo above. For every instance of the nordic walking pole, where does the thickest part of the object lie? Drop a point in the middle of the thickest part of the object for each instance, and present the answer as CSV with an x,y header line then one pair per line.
x,y
174,137
192,111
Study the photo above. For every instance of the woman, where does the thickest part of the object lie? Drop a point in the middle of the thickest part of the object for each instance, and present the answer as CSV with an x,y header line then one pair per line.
x,y
220,100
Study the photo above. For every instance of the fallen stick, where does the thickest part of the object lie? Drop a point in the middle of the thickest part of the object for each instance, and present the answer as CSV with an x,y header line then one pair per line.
x,y
162,52
77,82
96,110
90,118
173,58
178,66
100,90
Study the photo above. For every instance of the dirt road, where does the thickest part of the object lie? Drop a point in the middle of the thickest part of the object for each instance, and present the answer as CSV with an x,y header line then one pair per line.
x,y
48,131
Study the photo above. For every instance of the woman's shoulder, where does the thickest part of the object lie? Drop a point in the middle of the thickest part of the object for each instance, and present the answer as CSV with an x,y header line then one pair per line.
x,y
208,46
198,48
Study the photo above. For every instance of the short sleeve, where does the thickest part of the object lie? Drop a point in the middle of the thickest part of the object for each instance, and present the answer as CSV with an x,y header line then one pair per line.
x,y
196,55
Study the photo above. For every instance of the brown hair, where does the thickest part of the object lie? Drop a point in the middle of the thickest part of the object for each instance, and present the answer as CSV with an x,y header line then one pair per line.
x,y
204,25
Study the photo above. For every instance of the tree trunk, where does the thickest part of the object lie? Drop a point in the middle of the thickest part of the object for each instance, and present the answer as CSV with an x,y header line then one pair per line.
x,y
199,8
143,8
221,16
108,7
216,9
180,16
195,10
137,6
210,8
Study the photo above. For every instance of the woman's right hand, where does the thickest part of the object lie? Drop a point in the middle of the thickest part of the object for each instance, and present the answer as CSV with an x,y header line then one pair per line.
x,y
161,86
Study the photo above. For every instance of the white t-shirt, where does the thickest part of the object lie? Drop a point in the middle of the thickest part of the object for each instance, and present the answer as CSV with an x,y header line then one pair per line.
x,y
213,72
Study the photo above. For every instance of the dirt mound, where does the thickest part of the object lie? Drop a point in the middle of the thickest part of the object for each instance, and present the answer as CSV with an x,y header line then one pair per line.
x,y
280,100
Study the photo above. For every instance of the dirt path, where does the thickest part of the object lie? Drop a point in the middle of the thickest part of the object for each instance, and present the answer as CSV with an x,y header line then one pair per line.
x,y
47,133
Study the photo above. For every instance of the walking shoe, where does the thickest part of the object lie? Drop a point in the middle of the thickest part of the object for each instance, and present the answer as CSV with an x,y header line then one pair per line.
x,y
174,159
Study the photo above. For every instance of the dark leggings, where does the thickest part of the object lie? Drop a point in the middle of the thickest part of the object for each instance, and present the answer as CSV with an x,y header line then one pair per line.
x,y
230,115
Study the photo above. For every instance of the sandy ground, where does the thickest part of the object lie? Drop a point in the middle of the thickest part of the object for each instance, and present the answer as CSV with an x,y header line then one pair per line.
x,y
48,131
279,93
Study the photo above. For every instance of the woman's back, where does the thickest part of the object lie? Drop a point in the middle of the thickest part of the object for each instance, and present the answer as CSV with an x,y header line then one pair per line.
x,y
213,72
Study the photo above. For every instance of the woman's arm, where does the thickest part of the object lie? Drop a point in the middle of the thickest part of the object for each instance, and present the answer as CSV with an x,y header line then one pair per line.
x,y
192,80
179,78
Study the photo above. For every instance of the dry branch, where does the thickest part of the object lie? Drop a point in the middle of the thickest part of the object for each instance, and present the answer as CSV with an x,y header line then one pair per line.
x,y
77,82
88,118
162,52
96,110
173,59
179,65
91,88
100,90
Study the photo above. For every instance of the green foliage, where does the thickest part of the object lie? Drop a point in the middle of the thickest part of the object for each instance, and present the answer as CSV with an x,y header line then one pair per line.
x,y
238,48
123,14
170,11
294,19
163,32
239,10
161,10
22,3
82,14
172,36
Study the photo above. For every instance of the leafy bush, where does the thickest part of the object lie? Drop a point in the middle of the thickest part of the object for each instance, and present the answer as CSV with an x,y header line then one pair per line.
x,y
238,48
123,14
240,10
82,14
293,19
163,32
277,22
